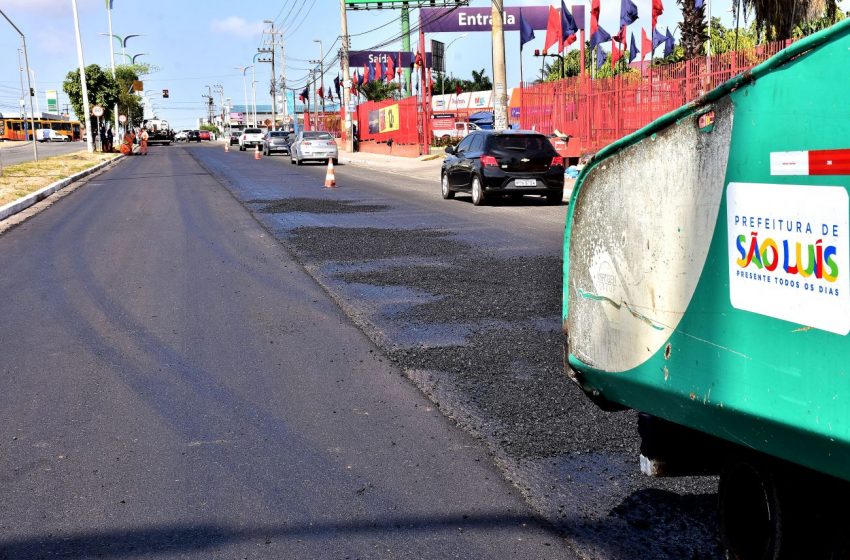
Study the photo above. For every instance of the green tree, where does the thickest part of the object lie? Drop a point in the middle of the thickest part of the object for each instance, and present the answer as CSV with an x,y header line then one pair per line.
x,y
778,19
128,102
480,82
378,90
102,90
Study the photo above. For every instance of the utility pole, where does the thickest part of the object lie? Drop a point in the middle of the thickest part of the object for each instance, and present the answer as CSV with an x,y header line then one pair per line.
x,y
219,89
112,58
346,79
500,88
271,50
405,43
209,99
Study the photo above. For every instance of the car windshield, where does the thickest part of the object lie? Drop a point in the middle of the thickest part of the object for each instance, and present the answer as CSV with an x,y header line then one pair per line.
x,y
277,134
317,136
536,144
253,131
236,133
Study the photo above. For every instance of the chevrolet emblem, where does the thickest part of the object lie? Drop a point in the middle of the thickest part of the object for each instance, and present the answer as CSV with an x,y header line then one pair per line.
x,y
525,160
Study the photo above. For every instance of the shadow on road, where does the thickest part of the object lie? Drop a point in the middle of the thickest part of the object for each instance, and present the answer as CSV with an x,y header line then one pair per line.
x,y
175,539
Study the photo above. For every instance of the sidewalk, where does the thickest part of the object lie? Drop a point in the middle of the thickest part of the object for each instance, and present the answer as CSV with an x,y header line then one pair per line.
x,y
409,167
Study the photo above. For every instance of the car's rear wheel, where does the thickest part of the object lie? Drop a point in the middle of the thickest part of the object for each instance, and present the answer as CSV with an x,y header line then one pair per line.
x,y
446,191
478,197
336,161
555,197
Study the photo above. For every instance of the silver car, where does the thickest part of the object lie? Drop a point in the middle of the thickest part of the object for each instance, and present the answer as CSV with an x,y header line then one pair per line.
x,y
313,145
275,141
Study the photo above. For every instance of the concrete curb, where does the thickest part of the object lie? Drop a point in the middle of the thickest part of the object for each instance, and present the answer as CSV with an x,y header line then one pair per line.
x,y
26,201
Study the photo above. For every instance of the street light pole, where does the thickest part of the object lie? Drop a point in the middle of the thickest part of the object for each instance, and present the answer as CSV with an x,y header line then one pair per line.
x,y
26,60
112,57
346,78
86,119
244,93
445,56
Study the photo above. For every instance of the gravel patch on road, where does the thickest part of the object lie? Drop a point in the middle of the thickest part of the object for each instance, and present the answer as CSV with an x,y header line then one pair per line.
x,y
314,206
476,288
367,243
512,377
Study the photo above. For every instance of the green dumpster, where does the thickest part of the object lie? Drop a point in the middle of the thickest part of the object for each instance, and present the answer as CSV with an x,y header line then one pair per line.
x,y
707,262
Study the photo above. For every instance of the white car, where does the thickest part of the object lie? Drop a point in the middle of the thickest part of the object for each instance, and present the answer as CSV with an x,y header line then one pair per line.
x,y
252,137
182,136
50,135
313,145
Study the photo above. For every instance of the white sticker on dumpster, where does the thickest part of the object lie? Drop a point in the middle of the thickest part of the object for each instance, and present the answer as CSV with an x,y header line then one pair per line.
x,y
789,254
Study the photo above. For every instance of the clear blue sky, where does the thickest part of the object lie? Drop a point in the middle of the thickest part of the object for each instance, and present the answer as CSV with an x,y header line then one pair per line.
x,y
195,43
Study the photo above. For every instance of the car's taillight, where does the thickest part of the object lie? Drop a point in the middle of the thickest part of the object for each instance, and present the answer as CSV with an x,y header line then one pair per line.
x,y
489,161
557,161
307,143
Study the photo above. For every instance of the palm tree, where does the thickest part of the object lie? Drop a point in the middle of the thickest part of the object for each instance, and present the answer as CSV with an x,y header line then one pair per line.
x,y
693,28
778,18
480,82
378,90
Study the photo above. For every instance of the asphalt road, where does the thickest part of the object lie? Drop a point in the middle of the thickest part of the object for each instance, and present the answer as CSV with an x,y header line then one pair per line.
x,y
174,384
466,301
20,152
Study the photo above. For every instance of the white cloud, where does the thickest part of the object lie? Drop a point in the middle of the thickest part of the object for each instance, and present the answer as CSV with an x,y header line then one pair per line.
x,y
235,25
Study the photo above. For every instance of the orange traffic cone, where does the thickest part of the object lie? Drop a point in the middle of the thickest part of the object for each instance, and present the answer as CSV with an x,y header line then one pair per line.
x,y
330,178
257,152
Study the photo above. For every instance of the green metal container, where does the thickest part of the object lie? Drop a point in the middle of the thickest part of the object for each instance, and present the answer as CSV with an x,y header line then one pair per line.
x,y
707,261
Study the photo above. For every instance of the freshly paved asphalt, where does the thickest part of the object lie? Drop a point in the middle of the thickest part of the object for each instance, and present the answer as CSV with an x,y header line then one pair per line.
x,y
174,385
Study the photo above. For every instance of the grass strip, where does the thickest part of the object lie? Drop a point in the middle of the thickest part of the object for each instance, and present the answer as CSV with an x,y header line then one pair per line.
x,y
24,178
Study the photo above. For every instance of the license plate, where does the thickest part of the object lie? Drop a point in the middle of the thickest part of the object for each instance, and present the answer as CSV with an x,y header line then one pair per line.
x,y
525,182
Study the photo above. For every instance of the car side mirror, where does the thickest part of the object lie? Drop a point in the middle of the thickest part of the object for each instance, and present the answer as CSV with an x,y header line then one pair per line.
x,y
450,150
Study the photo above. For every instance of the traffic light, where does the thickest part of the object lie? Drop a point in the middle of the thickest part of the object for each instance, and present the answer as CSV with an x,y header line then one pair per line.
x,y
165,94
536,52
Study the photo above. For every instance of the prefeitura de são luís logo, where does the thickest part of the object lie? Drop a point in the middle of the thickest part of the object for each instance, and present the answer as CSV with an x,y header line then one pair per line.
x,y
788,253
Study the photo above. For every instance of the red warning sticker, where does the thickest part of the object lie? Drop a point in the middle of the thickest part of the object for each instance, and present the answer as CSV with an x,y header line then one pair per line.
x,y
811,162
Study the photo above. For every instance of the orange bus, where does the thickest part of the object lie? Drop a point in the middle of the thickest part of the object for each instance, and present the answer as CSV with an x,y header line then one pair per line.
x,y
14,129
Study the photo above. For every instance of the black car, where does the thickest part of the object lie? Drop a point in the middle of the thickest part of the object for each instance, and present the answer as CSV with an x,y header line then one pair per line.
x,y
234,137
511,162
193,136
276,141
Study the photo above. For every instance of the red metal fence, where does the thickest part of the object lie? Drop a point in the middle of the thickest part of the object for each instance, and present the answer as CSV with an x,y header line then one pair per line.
x,y
369,124
597,112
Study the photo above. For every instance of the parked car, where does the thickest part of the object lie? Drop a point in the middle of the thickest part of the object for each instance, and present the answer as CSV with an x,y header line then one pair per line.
x,y
313,145
275,141
234,137
181,136
193,136
251,138
509,162
205,135
50,135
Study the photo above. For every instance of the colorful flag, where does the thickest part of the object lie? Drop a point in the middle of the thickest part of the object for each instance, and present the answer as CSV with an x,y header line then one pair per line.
x,y
601,36
628,13
669,43
390,68
568,27
620,37
336,86
553,29
108,4
645,45
366,73
305,95
321,92
601,55
378,74
594,17
526,33
615,53
657,10
633,50
657,38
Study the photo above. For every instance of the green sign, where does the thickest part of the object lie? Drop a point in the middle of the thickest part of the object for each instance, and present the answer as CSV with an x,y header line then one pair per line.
x,y
52,101
398,4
